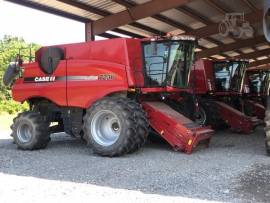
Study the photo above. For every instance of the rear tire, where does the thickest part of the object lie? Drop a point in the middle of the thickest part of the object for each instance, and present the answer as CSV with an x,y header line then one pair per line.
x,y
30,131
115,126
267,129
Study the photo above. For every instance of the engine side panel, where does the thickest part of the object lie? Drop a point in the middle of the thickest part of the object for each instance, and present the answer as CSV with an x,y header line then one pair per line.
x,y
36,83
88,81
89,72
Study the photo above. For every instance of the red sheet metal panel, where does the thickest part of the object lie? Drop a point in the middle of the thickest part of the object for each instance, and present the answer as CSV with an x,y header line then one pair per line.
x,y
180,132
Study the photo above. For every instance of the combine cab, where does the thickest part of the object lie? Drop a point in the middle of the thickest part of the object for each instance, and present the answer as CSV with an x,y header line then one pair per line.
x,y
256,90
107,92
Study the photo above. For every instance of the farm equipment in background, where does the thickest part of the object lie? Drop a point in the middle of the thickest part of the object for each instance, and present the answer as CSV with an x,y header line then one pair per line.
x,y
235,24
256,90
217,89
107,92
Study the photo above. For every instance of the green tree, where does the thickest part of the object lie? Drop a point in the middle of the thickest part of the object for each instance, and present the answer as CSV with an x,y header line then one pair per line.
x,y
9,48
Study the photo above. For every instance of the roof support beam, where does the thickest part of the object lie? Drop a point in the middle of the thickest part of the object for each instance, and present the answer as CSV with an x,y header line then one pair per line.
x,y
124,32
232,46
260,62
193,14
135,13
158,17
167,20
250,5
262,67
255,54
216,6
47,9
127,4
85,7
89,36
103,13
108,35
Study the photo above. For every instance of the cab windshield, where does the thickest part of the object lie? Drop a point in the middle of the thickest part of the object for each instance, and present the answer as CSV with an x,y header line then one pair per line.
x,y
256,82
229,75
167,63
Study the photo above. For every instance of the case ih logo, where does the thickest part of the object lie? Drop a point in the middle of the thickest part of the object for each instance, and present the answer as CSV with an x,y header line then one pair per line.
x,y
40,79
69,78
44,79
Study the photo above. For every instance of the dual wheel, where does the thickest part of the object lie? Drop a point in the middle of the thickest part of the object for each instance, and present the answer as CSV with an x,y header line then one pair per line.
x,y
111,126
115,126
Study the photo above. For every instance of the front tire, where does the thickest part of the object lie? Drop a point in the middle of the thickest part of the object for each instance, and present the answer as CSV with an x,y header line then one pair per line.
x,y
209,109
30,131
115,126
200,117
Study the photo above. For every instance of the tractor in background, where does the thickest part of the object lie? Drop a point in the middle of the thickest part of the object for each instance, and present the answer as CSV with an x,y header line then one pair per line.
x,y
109,92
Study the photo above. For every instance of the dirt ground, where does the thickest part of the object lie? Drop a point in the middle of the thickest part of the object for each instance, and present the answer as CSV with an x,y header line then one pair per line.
x,y
233,169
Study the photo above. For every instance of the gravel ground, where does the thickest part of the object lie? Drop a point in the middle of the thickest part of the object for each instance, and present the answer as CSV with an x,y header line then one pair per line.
x,y
233,169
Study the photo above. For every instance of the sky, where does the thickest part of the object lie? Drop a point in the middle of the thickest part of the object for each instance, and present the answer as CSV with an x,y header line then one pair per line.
x,y
37,26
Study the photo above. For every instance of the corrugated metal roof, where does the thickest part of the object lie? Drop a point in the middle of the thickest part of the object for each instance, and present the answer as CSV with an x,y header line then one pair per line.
x,y
67,8
209,11
104,5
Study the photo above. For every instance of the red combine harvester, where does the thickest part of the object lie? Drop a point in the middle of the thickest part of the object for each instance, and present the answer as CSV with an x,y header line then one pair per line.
x,y
218,89
256,90
107,92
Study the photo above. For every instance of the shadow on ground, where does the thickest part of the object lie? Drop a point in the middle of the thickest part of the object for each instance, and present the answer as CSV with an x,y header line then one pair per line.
x,y
216,173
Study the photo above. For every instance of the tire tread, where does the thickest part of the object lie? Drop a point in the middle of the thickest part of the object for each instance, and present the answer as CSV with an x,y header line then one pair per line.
x,y
135,121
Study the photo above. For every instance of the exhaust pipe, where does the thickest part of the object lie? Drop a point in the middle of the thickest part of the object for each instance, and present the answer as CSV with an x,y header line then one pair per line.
x,y
266,20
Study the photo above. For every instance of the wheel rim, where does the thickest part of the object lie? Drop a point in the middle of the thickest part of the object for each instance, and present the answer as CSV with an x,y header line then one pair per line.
x,y
105,127
24,132
200,117
223,29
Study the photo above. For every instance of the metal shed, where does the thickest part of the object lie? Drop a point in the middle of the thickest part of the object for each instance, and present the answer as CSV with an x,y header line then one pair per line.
x,y
144,18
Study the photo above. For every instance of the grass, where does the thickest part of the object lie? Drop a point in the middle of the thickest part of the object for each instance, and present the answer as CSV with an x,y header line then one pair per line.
x,y
6,121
